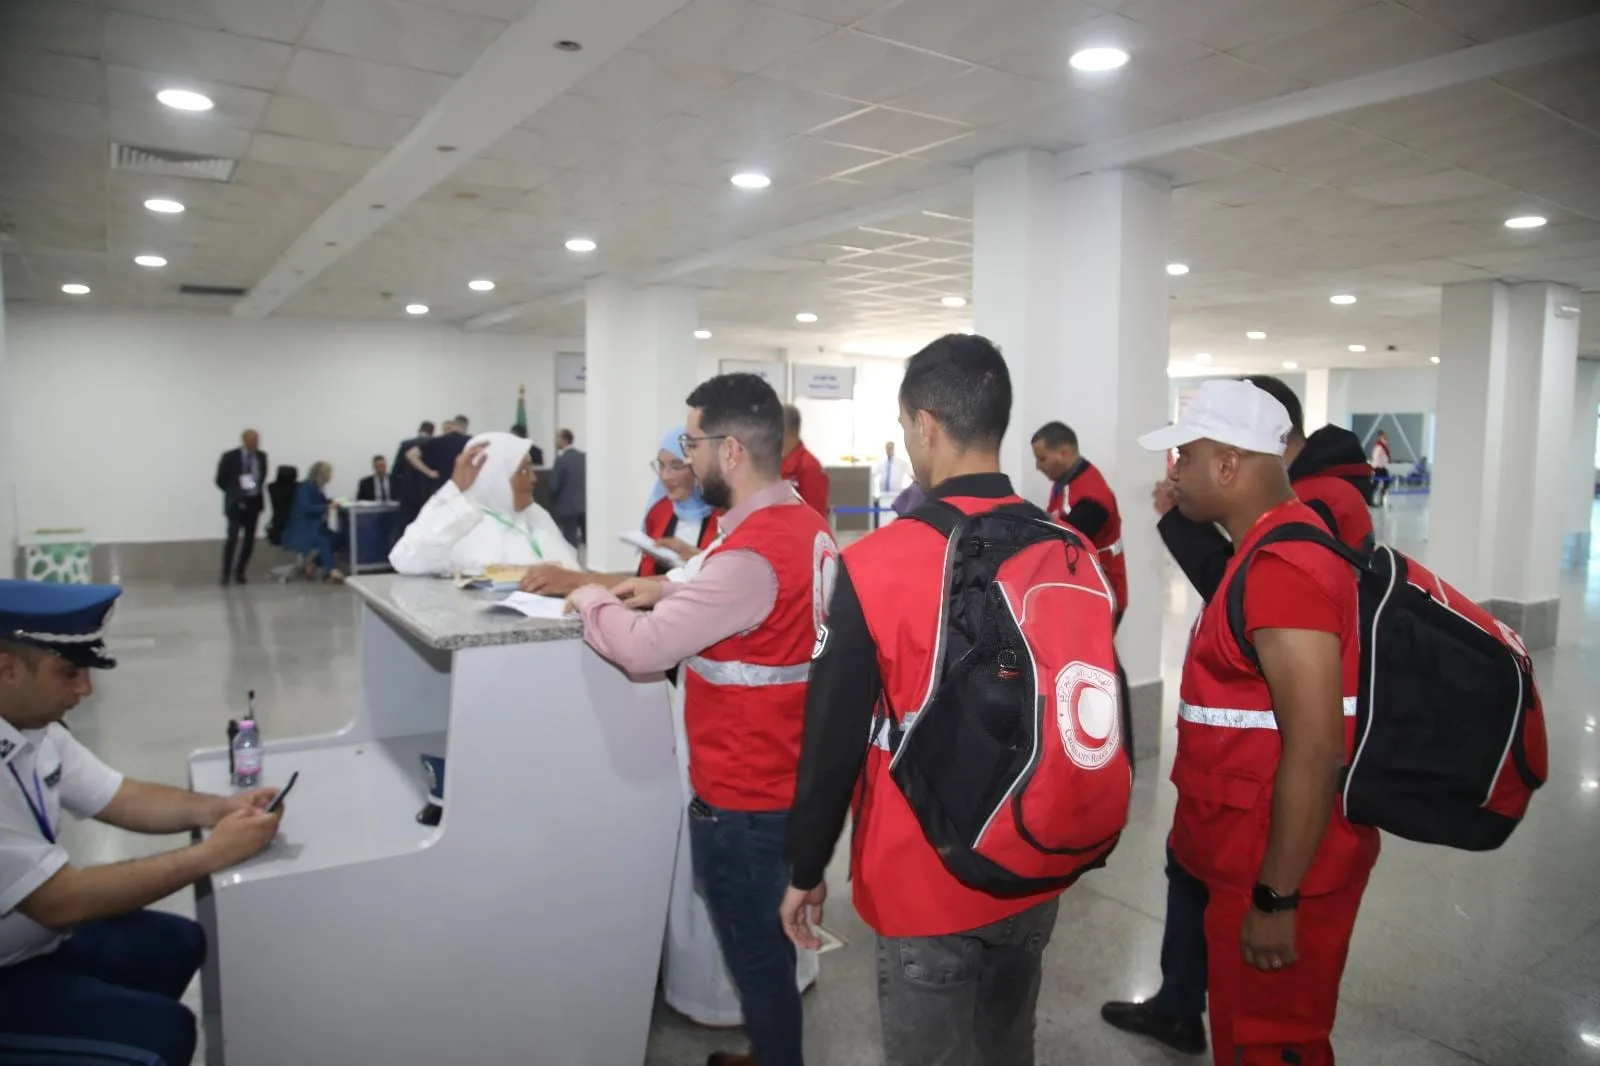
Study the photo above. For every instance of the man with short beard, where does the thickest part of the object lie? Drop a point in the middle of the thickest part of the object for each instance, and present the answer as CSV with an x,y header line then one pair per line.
x,y
743,627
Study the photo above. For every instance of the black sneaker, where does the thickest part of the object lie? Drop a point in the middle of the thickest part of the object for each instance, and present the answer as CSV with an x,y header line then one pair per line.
x,y
1187,1035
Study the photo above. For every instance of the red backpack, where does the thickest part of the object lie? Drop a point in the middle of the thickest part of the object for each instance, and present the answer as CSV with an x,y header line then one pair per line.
x,y
1450,741
1017,767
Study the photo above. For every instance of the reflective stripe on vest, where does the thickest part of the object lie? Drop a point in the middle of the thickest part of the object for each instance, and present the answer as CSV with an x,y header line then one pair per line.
x,y
1113,549
1229,718
748,675
880,736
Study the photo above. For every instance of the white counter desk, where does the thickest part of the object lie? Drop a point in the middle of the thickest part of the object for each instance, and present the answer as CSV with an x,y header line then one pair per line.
x,y
526,928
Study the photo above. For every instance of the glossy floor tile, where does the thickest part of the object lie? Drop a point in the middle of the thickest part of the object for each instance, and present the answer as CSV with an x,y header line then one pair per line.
x,y
1457,958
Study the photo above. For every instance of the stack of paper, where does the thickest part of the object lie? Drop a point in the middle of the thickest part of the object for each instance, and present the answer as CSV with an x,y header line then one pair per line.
x,y
634,538
533,605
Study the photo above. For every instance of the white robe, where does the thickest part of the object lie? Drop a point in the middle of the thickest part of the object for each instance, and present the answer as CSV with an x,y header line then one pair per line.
x,y
453,535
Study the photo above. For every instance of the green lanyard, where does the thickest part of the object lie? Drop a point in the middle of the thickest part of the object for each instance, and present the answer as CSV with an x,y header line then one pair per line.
x,y
533,542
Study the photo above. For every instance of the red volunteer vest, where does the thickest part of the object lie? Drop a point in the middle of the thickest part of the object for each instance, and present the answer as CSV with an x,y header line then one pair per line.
x,y
900,885
1343,501
1228,744
1090,484
662,521
745,697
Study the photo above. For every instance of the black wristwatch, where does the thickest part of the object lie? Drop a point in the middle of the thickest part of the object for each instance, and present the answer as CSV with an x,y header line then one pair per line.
x,y
1269,902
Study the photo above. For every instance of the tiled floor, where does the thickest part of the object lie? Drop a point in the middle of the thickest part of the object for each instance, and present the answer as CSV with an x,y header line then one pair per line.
x,y
1457,958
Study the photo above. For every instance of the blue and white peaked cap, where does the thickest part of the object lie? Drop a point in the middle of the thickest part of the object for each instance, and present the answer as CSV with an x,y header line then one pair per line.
x,y
68,620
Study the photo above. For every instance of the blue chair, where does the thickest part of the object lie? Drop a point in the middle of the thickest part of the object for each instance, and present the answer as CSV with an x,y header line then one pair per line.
x,y
60,1051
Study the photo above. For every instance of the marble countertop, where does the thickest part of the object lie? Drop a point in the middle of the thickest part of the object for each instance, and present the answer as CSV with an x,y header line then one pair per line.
x,y
442,616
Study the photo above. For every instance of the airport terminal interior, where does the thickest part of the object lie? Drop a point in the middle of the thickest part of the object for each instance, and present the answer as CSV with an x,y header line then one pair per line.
x,y
325,222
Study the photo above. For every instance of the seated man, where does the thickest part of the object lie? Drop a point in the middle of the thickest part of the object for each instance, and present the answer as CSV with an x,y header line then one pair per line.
x,y
119,977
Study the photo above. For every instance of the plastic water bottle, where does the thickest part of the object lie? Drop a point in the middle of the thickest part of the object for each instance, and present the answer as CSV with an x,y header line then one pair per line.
x,y
247,755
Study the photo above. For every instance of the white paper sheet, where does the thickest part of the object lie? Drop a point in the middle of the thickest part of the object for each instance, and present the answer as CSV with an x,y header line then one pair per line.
x,y
533,605
635,539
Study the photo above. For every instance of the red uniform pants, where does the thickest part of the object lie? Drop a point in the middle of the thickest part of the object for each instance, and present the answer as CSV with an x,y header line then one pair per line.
x,y
1261,1018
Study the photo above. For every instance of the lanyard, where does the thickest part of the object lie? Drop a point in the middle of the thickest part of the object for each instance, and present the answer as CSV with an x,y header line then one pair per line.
x,y
38,811
533,542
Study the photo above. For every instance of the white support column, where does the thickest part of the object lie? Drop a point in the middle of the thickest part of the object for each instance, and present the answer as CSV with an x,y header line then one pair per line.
x,y
1462,505
1069,279
1315,401
1339,398
640,353
1580,460
8,484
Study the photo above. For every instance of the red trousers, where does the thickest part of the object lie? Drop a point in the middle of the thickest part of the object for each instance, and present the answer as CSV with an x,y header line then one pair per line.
x,y
1261,1018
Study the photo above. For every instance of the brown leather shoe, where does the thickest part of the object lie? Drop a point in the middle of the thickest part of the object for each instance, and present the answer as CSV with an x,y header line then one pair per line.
x,y
731,1058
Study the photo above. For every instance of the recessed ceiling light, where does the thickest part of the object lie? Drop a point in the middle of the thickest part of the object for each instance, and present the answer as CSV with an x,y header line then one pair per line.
x,y
1344,299
150,260
805,316
702,334
581,244
1290,364
1177,270
1358,347
1433,359
1526,222
751,180
1098,59
72,288
481,285
953,301
1202,357
184,100
1256,335
416,309
164,207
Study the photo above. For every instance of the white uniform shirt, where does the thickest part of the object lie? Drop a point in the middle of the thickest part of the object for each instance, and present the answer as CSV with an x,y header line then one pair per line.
x,y
68,776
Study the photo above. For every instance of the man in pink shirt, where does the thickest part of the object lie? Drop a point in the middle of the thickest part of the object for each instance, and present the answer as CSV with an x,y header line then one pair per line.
x,y
743,628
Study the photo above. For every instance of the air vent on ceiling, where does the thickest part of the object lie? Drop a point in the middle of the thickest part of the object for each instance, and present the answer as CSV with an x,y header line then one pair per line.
x,y
171,164
211,290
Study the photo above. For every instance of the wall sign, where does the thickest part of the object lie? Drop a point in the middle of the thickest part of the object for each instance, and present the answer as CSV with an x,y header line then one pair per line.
x,y
572,372
772,373
825,382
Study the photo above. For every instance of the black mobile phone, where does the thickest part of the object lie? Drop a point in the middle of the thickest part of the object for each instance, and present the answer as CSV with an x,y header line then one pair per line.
x,y
277,801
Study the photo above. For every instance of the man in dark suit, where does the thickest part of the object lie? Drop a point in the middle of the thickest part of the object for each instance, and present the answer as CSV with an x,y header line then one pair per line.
x,y
240,475
404,480
433,460
378,486
569,490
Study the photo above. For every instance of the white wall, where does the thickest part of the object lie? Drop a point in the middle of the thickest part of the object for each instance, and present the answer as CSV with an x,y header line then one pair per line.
x,y
1582,454
8,513
1389,391
125,414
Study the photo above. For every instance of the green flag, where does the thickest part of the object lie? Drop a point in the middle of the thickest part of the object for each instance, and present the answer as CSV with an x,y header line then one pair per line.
x,y
522,408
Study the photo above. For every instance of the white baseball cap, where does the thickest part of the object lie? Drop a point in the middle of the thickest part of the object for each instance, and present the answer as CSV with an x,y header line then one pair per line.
x,y
1229,412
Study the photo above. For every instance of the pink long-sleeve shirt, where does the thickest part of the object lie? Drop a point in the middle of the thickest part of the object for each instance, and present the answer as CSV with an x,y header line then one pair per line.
x,y
733,593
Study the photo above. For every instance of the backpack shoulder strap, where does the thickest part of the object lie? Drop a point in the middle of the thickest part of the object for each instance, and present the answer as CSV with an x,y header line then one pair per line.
x,y
1294,531
1325,513
943,516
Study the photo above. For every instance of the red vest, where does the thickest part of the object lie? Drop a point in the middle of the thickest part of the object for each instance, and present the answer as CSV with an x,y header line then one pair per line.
x,y
1228,744
745,697
662,521
1343,500
1090,484
901,887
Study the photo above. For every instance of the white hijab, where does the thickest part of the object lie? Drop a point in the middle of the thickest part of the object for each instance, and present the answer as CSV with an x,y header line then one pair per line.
x,y
437,542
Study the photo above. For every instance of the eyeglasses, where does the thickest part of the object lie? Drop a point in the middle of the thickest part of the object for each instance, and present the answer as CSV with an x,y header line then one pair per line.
x,y
677,466
686,443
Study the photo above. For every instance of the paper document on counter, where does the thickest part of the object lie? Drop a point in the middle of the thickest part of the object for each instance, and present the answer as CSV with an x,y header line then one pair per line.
x,y
533,605
635,539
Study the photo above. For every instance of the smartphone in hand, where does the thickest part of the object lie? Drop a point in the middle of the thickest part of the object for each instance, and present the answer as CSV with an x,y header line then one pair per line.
x,y
277,801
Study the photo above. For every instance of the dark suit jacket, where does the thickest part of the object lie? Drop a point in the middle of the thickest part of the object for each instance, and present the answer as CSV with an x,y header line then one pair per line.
x,y
229,469
440,454
569,484
368,488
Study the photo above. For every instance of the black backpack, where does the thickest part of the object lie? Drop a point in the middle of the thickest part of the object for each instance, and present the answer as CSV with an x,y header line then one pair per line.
x,y
1016,765
1450,737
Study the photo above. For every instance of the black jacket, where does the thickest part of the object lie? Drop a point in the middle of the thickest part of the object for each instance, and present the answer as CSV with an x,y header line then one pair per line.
x,y
367,488
1202,551
230,467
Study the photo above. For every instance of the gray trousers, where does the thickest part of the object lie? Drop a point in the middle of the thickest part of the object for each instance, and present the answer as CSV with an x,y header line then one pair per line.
x,y
967,999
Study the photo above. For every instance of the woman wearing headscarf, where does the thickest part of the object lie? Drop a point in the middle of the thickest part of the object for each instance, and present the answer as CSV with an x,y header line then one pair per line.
x,y
306,533
676,517
484,516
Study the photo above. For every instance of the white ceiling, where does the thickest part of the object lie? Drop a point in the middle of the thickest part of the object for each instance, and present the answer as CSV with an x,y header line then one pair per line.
x,y
846,103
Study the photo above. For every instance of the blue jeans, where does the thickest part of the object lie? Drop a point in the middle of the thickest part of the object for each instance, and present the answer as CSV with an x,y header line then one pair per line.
x,y
116,981
1183,945
740,869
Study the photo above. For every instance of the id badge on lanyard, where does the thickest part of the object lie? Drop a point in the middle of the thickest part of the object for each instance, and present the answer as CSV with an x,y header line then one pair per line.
x,y
38,809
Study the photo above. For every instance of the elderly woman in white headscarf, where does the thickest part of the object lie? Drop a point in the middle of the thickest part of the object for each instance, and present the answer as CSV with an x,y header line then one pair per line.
x,y
485,516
